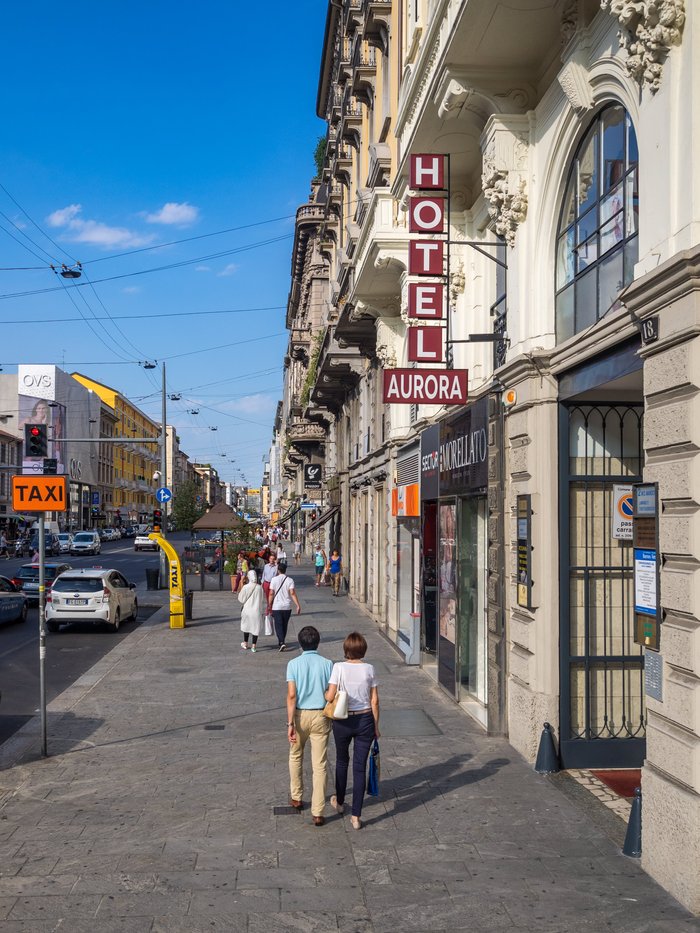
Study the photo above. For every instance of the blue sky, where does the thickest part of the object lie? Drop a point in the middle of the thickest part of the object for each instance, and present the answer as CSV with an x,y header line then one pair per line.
x,y
127,125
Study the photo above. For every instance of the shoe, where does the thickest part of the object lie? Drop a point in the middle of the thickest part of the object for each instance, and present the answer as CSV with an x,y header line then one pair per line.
x,y
319,820
283,647
253,649
244,645
338,807
297,804
356,822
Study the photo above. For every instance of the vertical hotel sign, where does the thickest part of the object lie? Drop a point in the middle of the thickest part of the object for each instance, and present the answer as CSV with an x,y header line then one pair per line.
x,y
427,260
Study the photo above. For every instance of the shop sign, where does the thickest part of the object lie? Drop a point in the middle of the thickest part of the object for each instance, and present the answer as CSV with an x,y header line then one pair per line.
x,y
425,345
426,257
427,172
524,552
430,462
425,386
464,450
313,474
405,501
426,302
647,584
426,214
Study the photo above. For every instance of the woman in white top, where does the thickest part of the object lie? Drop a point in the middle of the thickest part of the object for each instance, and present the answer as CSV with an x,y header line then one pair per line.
x,y
253,613
361,727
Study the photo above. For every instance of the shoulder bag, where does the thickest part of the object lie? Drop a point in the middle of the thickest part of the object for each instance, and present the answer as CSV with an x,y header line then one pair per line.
x,y
337,708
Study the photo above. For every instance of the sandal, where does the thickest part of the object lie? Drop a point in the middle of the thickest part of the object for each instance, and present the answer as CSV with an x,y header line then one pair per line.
x,y
356,822
244,645
338,807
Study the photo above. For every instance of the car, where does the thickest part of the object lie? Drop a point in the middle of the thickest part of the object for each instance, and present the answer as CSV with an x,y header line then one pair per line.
x,y
13,602
65,539
94,594
129,531
114,534
52,546
27,578
86,542
143,543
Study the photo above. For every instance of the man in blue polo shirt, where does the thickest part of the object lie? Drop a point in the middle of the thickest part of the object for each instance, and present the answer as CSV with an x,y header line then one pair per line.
x,y
307,680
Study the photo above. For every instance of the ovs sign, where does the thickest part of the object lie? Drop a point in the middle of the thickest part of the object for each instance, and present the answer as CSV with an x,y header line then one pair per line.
x,y
37,381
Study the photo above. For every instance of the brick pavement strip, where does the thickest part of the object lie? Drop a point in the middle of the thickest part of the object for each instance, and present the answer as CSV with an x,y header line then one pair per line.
x,y
144,819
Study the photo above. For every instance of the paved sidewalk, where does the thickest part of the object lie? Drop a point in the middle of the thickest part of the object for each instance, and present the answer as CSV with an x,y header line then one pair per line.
x,y
155,810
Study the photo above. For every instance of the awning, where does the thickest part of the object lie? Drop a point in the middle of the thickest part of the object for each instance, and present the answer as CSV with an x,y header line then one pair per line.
x,y
327,516
285,518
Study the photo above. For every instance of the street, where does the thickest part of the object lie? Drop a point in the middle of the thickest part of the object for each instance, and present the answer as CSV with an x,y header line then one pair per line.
x,y
70,652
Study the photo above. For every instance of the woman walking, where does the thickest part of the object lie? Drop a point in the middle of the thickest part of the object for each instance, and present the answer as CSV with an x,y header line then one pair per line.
x,y
280,599
320,564
335,565
253,613
357,678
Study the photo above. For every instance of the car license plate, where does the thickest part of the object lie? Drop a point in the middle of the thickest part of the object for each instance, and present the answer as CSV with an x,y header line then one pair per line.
x,y
76,602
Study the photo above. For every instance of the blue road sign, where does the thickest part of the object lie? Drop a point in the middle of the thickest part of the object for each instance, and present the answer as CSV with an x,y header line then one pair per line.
x,y
163,494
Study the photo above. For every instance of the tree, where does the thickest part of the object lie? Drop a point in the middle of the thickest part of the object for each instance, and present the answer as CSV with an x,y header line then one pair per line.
x,y
320,155
186,509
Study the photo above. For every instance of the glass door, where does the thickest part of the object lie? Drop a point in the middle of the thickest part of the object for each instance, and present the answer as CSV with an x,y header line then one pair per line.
x,y
447,597
471,589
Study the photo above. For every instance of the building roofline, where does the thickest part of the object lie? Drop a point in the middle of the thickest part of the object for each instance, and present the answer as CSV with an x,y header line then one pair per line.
x,y
327,57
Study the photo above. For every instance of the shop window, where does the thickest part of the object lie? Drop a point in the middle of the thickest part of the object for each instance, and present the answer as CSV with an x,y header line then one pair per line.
x,y
597,241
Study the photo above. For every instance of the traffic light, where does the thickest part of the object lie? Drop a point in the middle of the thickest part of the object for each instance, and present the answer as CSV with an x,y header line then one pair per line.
x,y
36,440
157,519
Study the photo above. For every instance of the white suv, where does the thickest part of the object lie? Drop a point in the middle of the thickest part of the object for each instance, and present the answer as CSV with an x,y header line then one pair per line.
x,y
86,542
91,596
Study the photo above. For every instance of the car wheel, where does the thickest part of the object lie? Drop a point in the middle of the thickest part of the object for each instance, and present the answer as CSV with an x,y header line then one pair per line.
x,y
117,621
135,613
52,627
24,613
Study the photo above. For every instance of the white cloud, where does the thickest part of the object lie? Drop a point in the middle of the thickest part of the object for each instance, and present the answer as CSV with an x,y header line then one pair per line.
x,y
63,217
257,404
174,214
132,289
230,269
202,268
94,232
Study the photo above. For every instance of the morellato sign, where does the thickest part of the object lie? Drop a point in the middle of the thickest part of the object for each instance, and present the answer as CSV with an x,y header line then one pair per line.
x,y
425,386
464,450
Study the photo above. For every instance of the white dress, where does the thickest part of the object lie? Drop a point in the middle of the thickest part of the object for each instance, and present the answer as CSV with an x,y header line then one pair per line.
x,y
252,596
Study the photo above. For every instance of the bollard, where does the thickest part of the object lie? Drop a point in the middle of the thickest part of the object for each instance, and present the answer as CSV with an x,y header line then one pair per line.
x,y
633,838
547,758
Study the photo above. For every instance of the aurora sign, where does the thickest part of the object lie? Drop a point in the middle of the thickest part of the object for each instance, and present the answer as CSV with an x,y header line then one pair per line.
x,y
425,386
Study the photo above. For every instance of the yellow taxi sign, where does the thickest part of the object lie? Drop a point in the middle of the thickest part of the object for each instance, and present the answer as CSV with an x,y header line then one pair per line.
x,y
39,494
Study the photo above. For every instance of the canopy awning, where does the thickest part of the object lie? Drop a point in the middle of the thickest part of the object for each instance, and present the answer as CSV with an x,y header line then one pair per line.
x,y
327,516
293,511
220,517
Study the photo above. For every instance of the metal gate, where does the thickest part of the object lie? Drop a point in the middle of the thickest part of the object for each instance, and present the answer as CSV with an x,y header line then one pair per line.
x,y
602,710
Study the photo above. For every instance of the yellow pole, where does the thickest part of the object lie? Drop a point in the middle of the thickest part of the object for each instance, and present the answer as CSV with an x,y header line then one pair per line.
x,y
177,593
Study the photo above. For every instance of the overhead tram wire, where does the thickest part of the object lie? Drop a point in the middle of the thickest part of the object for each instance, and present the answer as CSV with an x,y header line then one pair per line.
x,y
141,317
31,220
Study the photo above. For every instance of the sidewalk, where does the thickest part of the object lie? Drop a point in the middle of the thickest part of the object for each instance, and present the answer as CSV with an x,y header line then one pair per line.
x,y
155,810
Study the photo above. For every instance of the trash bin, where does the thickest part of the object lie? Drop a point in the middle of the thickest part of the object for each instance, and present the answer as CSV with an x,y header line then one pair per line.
x,y
189,599
152,579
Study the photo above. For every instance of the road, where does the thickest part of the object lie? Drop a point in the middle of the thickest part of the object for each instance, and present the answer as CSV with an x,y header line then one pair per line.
x,y
70,652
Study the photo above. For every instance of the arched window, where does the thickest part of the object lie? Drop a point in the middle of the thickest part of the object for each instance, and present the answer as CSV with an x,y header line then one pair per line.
x,y
597,241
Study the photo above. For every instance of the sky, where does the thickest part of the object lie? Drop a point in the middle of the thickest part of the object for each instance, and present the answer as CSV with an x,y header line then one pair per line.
x,y
129,125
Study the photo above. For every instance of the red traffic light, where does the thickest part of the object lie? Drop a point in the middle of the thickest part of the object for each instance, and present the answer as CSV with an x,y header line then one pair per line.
x,y
34,431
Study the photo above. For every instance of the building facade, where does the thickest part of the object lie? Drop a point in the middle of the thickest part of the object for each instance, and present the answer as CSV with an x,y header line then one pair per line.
x,y
486,540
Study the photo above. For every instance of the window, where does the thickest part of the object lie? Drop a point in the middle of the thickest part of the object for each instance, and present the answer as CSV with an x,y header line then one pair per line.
x,y
597,242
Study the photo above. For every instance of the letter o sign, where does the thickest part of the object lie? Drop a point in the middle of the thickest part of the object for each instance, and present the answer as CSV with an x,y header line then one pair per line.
x,y
427,215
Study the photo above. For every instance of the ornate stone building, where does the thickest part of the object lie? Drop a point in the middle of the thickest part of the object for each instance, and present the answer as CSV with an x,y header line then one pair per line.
x,y
573,231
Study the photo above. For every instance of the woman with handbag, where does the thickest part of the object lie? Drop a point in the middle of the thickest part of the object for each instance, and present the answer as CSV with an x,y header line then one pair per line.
x,y
355,677
281,598
253,613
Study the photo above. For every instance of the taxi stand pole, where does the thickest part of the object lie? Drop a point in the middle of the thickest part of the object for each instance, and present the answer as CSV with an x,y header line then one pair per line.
x,y
42,633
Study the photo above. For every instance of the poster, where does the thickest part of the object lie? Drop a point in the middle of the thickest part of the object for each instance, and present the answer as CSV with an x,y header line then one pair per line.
x,y
35,410
447,572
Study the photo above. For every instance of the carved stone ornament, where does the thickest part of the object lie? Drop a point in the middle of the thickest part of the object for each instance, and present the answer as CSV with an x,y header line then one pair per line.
x,y
569,21
505,145
386,356
507,205
649,29
573,79
457,282
387,340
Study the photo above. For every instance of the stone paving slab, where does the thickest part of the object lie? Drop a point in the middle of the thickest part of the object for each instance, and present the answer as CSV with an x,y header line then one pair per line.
x,y
154,811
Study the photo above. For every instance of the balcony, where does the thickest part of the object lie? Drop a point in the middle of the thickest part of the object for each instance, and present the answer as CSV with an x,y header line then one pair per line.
x,y
299,342
338,372
344,60
343,163
303,434
352,15
351,117
364,70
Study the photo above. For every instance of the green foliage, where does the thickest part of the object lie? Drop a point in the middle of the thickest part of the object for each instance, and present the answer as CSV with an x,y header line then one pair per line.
x,y
320,155
312,370
186,509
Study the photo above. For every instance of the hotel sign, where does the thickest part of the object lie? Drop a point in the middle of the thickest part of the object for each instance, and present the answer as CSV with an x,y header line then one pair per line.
x,y
425,386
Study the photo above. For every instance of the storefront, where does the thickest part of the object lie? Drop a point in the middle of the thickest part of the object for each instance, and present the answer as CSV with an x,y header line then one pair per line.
x,y
454,521
405,507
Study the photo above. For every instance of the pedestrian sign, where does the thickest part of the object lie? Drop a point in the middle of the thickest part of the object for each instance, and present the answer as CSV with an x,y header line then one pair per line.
x,y
163,494
39,494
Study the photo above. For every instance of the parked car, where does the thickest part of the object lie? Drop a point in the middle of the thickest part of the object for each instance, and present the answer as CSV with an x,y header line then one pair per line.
x,y
52,547
13,602
86,542
91,595
143,543
27,578
65,539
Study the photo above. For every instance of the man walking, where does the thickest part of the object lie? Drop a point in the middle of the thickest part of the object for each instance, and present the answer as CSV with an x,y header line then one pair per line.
x,y
307,680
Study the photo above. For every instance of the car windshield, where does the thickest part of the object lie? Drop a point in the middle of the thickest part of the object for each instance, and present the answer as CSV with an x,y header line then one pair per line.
x,y
32,573
83,536
78,585
63,537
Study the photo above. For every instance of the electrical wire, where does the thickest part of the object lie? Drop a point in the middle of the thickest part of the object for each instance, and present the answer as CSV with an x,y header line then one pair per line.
x,y
31,220
141,317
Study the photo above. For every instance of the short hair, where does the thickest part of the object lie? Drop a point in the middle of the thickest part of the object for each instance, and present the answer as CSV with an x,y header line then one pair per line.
x,y
309,638
282,566
355,646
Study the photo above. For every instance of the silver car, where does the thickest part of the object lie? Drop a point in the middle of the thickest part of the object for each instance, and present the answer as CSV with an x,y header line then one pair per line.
x,y
91,595
65,540
86,542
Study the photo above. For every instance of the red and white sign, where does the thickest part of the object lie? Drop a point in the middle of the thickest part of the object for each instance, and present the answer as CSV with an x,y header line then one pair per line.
x,y
426,215
425,386
426,301
425,345
427,172
426,257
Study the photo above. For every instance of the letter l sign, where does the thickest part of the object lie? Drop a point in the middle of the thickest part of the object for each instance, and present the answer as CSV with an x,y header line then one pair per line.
x,y
425,345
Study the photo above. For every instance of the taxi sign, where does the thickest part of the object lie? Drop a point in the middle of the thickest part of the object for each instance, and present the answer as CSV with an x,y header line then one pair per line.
x,y
39,493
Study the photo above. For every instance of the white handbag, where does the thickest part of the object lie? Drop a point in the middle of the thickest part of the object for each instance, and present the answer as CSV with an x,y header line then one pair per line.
x,y
268,624
341,704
